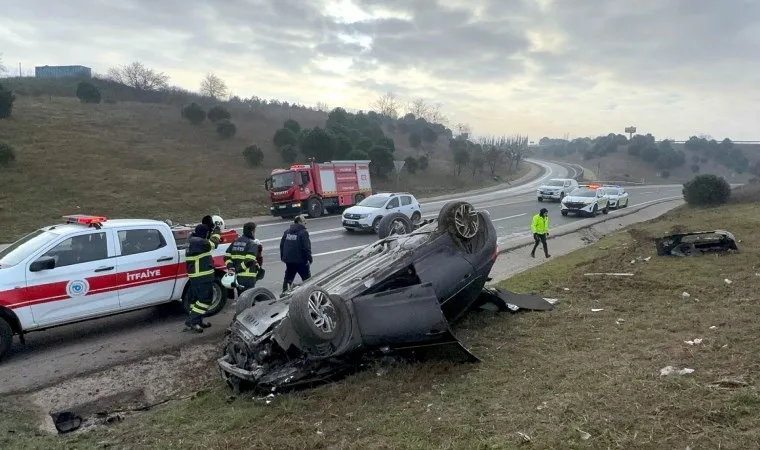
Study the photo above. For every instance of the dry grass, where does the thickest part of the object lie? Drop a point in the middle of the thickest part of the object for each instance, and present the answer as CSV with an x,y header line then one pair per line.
x,y
547,375
144,160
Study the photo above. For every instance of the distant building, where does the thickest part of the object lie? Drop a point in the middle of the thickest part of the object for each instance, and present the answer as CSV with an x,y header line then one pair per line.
x,y
62,71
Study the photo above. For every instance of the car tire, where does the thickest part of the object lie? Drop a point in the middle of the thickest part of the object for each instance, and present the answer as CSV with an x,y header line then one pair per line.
x,y
251,296
376,224
564,213
595,211
6,337
317,317
606,210
416,217
315,208
561,196
394,223
218,302
460,219
540,199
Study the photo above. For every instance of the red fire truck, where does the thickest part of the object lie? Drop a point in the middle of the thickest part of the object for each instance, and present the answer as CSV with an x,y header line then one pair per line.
x,y
313,188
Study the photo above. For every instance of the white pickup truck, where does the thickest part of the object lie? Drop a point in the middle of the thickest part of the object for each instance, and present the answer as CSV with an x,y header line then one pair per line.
x,y
91,267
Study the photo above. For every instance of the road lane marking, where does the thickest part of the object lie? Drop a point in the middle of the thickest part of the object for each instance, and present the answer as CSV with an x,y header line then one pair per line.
x,y
509,217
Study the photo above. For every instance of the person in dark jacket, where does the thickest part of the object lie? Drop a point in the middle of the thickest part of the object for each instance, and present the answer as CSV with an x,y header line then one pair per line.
x,y
200,273
295,252
244,258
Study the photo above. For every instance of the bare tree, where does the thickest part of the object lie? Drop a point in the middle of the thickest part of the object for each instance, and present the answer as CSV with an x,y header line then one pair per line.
x,y
214,87
435,115
2,67
419,108
139,77
387,105
518,148
464,129
322,106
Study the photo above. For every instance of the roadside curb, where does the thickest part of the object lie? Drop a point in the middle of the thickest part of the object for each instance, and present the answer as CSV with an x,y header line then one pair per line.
x,y
528,240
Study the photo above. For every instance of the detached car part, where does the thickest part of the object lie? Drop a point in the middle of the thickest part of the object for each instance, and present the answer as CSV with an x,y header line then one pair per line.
x,y
695,243
398,294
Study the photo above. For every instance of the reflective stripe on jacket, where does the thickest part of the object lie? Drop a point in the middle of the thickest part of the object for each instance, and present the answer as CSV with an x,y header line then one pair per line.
x,y
540,224
243,256
200,263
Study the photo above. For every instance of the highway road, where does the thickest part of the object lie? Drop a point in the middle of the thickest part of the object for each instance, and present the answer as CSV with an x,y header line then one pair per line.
x,y
67,351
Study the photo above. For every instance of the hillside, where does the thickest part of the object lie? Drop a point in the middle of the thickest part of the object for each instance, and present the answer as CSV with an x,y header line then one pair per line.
x,y
123,158
642,159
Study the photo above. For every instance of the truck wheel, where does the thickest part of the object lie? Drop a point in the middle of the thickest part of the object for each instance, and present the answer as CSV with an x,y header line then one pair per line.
x,y
358,198
218,302
317,317
251,296
315,208
394,223
6,337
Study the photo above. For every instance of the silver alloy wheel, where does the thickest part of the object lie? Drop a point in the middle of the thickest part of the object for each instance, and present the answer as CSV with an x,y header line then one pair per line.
x,y
217,296
319,308
466,221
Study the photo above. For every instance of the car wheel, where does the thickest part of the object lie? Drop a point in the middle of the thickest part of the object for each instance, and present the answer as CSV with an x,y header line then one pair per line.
x,y
416,217
6,337
594,211
218,301
460,218
251,296
317,317
358,198
315,208
561,196
394,223
606,210
376,224
564,213
540,199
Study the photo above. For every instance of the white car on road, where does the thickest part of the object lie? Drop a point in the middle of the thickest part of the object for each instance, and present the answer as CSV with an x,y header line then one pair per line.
x,y
367,214
556,189
617,196
585,201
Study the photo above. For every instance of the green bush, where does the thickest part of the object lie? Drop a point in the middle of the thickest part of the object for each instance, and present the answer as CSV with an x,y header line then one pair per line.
x,y
218,114
289,153
293,126
283,137
381,160
7,155
6,102
707,190
253,155
423,163
87,92
226,129
410,164
194,113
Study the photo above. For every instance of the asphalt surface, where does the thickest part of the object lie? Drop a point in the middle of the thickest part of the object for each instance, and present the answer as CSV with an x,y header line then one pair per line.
x,y
63,352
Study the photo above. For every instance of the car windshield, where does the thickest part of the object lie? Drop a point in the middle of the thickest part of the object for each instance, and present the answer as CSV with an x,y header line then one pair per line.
x,y
374,201
584,193
555,183
611,191
21,249
283,181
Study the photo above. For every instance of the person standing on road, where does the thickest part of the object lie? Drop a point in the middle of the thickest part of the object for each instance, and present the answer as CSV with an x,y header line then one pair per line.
x,y
244,258
295,252
540,229
200,273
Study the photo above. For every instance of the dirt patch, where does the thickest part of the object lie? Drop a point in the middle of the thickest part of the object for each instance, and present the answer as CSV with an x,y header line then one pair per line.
x,y
113,395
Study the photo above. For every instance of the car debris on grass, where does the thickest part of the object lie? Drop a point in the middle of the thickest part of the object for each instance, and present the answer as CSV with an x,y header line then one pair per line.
x,y
696,243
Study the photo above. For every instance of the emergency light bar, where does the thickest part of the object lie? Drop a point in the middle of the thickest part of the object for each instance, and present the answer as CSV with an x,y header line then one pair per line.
x,y
299,166
92,221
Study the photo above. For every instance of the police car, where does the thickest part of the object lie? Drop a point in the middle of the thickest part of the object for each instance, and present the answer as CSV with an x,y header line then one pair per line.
x,y
90,267
586,200
617,196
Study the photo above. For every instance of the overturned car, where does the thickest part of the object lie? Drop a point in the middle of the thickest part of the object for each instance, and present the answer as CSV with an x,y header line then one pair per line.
x,y
696,243
400,293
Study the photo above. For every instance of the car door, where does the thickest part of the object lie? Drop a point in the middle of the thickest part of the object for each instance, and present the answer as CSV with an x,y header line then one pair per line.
x,y
82,284
147,267
406,205
392,206
601,199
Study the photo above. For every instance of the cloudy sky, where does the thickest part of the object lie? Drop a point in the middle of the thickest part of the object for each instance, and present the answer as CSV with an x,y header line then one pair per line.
x,y
542,67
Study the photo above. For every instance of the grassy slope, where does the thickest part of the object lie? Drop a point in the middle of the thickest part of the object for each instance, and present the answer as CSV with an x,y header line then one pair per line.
x,y
547,375
621,166
138,159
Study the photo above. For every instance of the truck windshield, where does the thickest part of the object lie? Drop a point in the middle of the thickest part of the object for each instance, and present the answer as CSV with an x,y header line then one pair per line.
x,y
21,249
373,202
283,181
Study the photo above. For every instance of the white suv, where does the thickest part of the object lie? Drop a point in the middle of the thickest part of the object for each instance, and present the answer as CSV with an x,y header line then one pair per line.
x,y
367,214
556,189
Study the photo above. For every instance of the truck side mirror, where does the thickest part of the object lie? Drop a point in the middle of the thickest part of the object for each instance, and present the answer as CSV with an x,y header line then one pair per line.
x,y
268,183
44,263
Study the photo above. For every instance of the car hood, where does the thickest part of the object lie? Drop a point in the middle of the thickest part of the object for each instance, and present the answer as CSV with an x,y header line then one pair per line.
x,y
550,188
570,198
360,210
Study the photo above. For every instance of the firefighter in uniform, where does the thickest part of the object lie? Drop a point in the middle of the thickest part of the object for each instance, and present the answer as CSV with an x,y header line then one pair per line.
x,y
200,273
244,258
